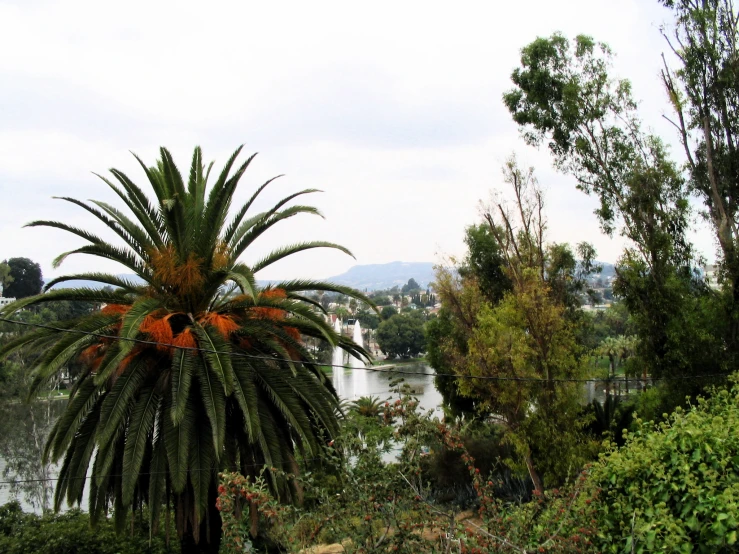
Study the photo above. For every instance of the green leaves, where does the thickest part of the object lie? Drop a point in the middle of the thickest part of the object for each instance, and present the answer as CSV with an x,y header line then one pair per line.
x,y
142,421
216,352
183,367
678,483
130,329
117,402
177,438
214,401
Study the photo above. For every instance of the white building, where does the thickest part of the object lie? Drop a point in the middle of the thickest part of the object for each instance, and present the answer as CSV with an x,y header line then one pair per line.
x,y
711,276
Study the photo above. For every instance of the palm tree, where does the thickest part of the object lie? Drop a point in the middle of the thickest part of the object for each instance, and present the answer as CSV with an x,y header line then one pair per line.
x,y
611,348
221,378
368,406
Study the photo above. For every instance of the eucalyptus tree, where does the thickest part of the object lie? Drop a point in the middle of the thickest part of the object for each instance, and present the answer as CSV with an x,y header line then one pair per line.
x,y
565,98
194,369
705,99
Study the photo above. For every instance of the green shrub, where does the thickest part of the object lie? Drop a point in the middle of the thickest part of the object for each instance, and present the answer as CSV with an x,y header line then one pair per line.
x,y
673,487
70,533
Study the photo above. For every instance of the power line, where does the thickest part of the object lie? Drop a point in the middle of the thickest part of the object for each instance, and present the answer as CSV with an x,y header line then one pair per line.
x,y
370,368
86,477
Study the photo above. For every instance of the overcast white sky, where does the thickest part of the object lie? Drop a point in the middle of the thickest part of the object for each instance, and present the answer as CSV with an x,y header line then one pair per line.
x,y
393,109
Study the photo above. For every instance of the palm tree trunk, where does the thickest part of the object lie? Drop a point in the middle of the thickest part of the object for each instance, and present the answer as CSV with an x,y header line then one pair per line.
x,y
208,538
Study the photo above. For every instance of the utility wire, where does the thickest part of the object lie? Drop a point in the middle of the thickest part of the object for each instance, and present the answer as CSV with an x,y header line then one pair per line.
x,y
86,477
372,369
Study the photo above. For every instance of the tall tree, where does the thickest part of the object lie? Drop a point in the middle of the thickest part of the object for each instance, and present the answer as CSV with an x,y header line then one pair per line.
x,y
564,97
25,278
705,99
227,382
522,346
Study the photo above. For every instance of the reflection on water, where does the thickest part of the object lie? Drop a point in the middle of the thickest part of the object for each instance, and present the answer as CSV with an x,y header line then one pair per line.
x,y
377,383
24,428
598,389
23,431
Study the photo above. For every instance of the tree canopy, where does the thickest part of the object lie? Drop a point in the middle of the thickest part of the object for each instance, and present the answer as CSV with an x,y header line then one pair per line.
x,y
529,333
25,278
402,335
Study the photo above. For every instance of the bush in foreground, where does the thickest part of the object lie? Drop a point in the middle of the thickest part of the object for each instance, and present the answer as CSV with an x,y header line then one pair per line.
x,y
70,533
673,487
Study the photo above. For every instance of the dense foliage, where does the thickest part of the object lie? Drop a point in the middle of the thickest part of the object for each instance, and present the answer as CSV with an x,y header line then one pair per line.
x,y
22,278
515,347
673,488
704,99
366,501
70,533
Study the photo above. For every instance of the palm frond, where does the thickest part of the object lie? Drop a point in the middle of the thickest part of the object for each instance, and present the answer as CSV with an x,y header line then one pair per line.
x,y
118,400
214,400
126,258
215,353
138,203
296,285
130,329
201,460
237,219
82,447
286,251
157,476
268,221
246,395
68,423
183,367
103,278
110,223
142,422
83,294
177,442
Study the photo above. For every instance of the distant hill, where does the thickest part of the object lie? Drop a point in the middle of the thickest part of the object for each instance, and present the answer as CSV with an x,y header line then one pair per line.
x,y
385,276
361,277
609,270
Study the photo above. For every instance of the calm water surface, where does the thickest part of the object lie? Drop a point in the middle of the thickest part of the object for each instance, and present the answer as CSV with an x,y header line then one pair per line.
x,y
22,436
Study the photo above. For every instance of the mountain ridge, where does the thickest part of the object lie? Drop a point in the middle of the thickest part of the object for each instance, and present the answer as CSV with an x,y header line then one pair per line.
x,y
362,276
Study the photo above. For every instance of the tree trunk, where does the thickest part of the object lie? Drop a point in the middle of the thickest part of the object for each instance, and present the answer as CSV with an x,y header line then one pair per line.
x,y
538,485
209,532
